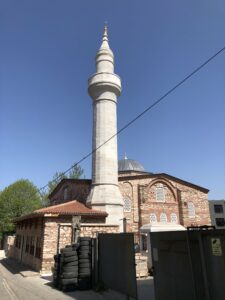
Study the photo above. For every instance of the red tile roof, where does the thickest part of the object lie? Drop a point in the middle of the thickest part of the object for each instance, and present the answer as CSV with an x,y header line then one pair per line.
x,y
68,208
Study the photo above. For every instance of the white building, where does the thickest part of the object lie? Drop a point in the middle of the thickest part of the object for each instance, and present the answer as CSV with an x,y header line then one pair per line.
x,y
217,213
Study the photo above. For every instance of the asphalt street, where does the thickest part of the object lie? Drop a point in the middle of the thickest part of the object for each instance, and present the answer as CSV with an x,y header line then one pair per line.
x,y
13,286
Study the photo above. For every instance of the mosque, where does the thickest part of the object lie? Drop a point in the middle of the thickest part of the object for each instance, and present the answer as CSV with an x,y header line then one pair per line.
x,y
121,196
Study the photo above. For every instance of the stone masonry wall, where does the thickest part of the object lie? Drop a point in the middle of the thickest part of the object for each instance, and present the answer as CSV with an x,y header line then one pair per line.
x,y
51,236
142,193
77,191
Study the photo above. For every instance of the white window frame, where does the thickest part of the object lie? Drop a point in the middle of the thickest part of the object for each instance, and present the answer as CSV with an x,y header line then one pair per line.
x,y
191,209
163,218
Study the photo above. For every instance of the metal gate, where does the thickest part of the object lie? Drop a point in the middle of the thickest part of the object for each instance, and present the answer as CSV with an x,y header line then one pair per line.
x,y
116,261
189,265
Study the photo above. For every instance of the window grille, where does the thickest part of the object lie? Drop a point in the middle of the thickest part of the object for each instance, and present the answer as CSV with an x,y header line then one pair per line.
x,y
173,218
160,193
153,218
191,210
163,218
127,205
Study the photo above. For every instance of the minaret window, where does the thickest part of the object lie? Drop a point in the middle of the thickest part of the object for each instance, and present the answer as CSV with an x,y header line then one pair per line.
x,y
173,218
160,193
127,205
163,218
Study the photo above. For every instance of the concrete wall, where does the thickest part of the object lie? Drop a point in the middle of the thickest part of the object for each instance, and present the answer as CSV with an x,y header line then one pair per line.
x,y
217,215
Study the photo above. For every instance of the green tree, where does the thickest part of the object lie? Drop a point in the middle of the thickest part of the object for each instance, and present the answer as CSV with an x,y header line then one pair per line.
x,y
19,198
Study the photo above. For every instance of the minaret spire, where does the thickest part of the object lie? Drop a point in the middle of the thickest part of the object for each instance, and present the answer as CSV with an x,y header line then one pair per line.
x,y
104,56
105,39
105,34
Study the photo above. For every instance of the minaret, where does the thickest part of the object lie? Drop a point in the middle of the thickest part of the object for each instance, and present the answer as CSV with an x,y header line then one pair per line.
x,y
104,87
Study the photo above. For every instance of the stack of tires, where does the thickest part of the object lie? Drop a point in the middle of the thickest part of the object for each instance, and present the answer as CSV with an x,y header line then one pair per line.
x,y
68,278
84,263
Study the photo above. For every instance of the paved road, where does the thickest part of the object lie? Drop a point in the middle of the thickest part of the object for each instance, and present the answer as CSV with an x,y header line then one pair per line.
x,y
15,287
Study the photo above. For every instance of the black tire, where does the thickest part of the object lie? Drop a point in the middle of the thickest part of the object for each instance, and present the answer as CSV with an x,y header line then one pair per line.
x,y
63,250
70,269
70,259
84,256
69,281
85,265
69,253
85,252
84,269
70,264
84,248
81,260
85,243
68,275
85,238
84,276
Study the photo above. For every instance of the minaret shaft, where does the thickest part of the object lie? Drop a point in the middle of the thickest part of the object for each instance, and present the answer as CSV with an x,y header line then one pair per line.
x,y
105,158
104,87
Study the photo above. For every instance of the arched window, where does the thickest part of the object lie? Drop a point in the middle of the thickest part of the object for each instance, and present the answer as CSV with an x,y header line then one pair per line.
x,y
127,205
191,210
160,193
153,218
163,218
173,218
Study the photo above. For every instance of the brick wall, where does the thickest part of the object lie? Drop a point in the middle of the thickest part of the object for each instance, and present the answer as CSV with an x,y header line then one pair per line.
x,y
142,193
51,236
75,191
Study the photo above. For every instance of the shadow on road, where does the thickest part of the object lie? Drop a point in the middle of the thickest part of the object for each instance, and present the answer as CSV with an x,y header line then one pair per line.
x,y
13,266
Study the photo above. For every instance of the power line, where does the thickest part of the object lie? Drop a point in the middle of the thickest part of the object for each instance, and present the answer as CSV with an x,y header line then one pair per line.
x,y
156,102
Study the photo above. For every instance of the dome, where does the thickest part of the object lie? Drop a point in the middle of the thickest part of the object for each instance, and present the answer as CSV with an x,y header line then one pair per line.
x,y
126,164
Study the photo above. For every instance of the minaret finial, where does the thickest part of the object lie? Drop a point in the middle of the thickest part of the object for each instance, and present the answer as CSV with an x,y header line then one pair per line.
x,y
105,34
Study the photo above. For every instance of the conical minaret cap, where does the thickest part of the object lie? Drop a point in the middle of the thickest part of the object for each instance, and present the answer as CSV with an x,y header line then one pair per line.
x,y
104,56
105,40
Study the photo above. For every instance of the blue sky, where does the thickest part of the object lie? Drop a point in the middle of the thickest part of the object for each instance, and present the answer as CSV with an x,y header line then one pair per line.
x,y
47,54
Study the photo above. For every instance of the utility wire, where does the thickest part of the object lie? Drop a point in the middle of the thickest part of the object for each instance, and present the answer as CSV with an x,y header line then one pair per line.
x,y
141,114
